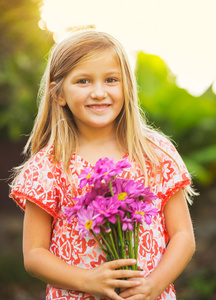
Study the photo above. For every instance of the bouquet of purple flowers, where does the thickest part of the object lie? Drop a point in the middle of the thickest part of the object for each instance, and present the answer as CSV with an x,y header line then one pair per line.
x,y
113,209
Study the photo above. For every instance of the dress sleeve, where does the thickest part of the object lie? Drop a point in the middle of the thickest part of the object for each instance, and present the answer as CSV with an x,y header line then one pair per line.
x,y
175,174
37,183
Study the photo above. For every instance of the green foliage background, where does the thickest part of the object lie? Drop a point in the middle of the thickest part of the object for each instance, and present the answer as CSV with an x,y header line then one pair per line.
x,y
190,121
22,56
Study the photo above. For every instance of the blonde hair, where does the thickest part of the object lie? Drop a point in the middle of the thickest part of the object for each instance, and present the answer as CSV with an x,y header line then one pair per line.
x,y
54,125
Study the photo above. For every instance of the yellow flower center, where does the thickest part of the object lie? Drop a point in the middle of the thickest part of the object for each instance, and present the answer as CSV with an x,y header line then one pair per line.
x,y
88,224
122,196
140,212
88,176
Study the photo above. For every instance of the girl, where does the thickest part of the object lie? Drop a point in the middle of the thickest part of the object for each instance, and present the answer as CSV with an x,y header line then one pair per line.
x,y
88,110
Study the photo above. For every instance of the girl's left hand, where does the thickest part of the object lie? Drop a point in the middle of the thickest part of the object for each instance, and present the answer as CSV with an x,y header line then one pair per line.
x,y
145,291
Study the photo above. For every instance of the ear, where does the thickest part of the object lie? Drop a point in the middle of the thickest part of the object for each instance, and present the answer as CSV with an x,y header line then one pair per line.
x,y
59,99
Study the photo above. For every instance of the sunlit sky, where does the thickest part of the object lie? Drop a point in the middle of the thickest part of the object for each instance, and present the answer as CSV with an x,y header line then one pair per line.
x,y
181,32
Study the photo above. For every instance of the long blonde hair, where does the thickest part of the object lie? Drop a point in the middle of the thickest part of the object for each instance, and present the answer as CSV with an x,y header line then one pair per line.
x,y
54,125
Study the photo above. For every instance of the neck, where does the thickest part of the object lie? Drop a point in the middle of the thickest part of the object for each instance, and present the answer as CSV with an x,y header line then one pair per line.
x,y
97,135
97,143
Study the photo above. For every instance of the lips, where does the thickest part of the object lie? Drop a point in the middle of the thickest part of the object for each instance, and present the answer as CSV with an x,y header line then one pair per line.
x,y
99,107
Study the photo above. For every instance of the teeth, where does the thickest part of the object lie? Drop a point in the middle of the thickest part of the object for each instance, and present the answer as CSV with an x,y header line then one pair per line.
x,y
98,106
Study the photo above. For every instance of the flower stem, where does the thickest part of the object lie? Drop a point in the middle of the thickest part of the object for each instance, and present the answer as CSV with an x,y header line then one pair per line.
x,y
111,189
137,242
107,245
102,247
135,232
124,250
121,239
112,241
130,249
113,228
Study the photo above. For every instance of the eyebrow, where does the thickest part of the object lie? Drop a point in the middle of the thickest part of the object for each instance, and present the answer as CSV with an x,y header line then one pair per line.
x,y
84,74
113,72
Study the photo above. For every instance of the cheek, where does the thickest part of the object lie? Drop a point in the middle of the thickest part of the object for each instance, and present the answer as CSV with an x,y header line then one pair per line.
x,y
79,96
121,100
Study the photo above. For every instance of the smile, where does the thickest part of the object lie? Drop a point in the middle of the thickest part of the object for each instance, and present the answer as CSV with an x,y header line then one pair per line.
x,y
99,107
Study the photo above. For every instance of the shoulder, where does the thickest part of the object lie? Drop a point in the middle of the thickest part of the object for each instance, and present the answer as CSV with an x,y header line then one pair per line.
x,y
37,168
158,140
162,146
41,157
168,156
41,181
42,161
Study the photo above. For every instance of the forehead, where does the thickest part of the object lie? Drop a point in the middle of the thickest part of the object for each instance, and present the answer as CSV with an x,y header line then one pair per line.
x,y
103,59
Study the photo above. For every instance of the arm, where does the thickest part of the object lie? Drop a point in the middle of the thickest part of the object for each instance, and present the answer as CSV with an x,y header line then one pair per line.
x,y
41,263
177,255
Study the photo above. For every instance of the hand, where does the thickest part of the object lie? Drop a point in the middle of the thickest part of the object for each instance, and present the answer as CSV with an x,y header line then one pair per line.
x,y
145,291
104,279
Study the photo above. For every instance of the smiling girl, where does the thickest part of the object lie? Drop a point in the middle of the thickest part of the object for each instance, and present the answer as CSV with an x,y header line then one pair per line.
x,y
88,110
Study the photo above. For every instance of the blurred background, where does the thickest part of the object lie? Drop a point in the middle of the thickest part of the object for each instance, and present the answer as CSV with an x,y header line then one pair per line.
x,y
172,48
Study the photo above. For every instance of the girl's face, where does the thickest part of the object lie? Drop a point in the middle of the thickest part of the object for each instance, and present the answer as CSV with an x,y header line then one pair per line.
x,y
93,91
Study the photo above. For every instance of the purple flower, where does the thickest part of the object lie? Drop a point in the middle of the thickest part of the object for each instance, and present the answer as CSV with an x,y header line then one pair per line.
x,y
125,189
102,190
109,166
147,195
143,210
127,223
71,212
106,208
86,221
121,165
104,170
86,177
132,189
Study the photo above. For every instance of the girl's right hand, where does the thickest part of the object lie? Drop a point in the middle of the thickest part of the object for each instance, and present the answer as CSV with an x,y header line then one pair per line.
x,y
104,279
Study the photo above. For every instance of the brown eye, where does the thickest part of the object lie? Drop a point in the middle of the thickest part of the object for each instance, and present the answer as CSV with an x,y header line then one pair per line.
x,y
83,81
111,80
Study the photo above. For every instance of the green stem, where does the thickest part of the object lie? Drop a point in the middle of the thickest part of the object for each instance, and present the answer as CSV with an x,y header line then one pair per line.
x,y
121,239
115,234
134,236
113,244
107,245
137,242
131,251
111,240
102,247
125,250
111,189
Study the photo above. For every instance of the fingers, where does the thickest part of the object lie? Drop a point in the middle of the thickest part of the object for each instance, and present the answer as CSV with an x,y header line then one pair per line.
x,y
116,264
125,284
112,295
129,293
135,296
128,274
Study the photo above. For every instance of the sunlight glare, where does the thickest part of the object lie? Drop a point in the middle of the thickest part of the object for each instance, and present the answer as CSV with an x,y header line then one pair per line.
x,y
169,29
214,87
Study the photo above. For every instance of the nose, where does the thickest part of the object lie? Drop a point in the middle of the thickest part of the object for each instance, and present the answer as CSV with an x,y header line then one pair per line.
x,y
98,92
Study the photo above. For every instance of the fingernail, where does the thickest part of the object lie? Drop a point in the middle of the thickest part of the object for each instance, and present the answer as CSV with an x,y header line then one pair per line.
x,y
138,283
142,273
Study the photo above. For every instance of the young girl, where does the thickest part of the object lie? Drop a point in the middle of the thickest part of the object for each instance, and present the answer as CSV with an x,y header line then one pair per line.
x,y
88,110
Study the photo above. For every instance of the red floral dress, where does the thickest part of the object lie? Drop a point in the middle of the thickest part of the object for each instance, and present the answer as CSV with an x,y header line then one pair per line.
x,y
46,185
